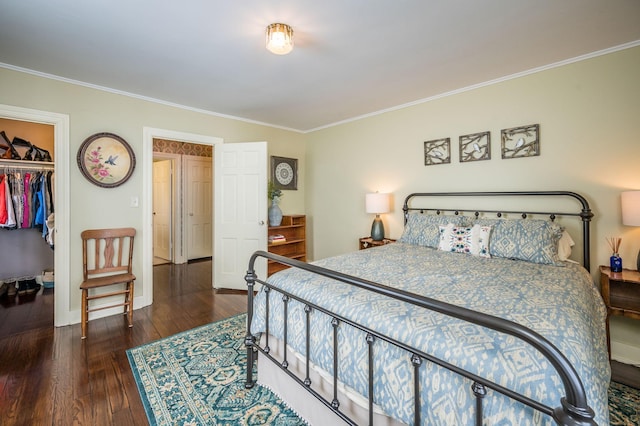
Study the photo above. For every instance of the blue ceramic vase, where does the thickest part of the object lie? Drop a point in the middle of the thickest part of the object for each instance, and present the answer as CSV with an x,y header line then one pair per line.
x,y
275,214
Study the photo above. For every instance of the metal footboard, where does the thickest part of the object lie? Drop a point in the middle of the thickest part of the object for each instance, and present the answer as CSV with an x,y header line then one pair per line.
x,y
572,409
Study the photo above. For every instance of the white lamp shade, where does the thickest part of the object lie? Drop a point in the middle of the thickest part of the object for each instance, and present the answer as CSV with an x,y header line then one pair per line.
x,y
279,39
631,208
377,203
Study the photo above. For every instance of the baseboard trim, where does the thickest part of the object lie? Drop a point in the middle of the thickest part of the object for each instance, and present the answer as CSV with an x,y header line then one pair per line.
x,y
627,354
138,302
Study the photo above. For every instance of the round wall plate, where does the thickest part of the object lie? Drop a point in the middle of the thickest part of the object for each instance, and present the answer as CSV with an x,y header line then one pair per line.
x,y
106,160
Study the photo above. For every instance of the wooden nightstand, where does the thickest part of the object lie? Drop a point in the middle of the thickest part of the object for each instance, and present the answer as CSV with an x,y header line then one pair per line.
x,y
367,242
621,294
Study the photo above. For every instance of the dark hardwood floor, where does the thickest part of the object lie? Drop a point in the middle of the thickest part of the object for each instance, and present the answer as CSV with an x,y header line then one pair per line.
x,y
49,376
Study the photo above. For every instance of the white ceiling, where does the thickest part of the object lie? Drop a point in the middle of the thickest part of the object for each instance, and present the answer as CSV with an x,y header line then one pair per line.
x,y
351,57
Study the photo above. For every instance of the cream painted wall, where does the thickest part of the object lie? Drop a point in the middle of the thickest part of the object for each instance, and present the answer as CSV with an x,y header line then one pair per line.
x,y
588,114
91,111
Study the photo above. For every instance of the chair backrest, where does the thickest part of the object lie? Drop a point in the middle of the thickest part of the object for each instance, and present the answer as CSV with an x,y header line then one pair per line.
x,y
107,251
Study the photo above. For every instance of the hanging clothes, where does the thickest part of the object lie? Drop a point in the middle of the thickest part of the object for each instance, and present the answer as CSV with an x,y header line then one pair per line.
x,y
10,221
38,198
26,200
4,215
51,226
42,204
17,191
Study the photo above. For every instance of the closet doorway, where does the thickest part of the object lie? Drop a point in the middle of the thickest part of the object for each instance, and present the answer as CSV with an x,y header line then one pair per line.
x,y
58,150
182,201
26,241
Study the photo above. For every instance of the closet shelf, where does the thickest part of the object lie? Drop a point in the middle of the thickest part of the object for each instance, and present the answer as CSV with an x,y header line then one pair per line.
x,y
27,165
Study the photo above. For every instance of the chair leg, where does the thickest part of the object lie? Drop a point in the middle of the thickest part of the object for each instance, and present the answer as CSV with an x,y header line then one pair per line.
x,y
85,313
129,307
125,308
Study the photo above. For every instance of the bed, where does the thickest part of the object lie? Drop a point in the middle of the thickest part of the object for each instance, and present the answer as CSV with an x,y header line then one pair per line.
x,y
475,316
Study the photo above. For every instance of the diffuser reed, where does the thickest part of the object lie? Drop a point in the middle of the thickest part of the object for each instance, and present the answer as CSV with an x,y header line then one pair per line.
x,y
614,243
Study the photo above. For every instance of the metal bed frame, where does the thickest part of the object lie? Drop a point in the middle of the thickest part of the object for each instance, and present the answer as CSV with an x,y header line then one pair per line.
x,y
573,408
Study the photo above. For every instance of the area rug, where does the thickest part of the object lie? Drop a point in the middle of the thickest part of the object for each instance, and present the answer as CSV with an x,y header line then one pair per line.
x,y
624,405
197,378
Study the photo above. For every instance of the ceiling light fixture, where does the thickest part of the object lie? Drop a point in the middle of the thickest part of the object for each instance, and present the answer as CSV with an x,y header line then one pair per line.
x,y
279,39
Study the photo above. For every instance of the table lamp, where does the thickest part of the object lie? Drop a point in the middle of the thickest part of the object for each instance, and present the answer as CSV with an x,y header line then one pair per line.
x,y
631,212
377,203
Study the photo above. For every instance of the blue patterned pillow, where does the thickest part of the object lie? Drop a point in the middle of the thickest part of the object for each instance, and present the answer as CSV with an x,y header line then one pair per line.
x,y
424,229
531,240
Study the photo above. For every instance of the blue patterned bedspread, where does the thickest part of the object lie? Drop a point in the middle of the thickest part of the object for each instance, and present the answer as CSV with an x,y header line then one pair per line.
x,y
560,303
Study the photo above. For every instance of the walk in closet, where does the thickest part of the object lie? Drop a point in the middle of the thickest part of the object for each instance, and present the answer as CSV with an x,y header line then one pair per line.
x,y
27,219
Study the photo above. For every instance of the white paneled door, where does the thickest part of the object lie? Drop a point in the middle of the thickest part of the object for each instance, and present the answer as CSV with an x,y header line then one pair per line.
x,y
162,209
199,206
241,211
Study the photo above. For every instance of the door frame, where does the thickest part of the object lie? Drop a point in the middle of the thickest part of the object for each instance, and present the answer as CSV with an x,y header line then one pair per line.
x,y
148,134
60,122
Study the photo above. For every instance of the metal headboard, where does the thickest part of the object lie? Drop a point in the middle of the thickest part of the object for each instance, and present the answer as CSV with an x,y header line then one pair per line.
x,y
584,214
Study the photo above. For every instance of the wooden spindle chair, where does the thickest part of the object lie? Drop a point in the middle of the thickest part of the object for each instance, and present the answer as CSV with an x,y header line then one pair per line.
x,y
103,254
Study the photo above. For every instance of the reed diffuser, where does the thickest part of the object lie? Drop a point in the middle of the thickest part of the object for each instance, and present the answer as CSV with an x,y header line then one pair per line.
x,y
615,262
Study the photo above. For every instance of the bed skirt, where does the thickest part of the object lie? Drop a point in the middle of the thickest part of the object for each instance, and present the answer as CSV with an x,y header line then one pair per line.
x,y
304,403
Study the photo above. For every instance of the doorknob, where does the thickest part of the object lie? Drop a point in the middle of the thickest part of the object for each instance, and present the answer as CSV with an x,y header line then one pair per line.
x,y
261,223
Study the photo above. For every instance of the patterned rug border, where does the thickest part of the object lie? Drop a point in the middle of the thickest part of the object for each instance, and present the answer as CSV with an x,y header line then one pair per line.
x,y
141,391
181,333
136,374
197,377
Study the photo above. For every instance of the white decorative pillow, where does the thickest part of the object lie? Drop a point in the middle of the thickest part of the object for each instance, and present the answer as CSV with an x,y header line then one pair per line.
x,y
564,246
459,239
